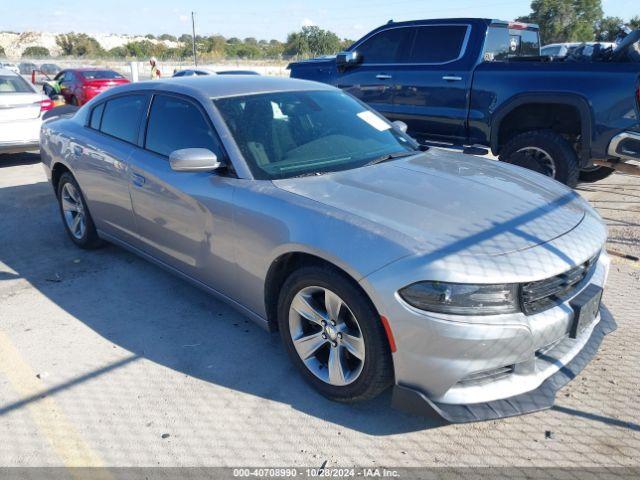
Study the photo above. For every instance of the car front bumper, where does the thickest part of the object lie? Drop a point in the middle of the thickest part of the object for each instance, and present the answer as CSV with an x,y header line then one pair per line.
x,y
481,368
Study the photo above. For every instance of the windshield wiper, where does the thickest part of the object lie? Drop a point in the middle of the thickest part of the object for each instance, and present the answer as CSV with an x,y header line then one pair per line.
x,y
391,156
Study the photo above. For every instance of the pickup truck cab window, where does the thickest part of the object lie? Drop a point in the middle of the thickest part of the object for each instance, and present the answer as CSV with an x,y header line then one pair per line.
x,y
438,43
387,47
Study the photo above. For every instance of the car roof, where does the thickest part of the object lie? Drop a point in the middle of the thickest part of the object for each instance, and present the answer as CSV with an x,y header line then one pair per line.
x,y
217,86
6,71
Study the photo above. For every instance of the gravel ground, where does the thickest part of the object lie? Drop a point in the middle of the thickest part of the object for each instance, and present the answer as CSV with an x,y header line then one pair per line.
x,y
106,360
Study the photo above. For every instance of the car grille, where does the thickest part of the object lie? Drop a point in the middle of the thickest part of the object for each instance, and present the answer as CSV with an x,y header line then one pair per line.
x,y
543,294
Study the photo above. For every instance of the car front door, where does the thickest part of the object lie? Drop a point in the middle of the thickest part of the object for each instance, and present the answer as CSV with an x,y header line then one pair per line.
x,y
184,219
372,80
100,162
433,82
65,80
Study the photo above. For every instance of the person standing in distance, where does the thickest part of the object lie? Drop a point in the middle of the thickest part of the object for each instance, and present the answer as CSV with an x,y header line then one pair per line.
x,y
155,71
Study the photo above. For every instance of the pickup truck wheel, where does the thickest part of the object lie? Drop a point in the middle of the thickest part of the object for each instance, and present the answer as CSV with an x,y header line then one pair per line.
x,y
543,151
595,173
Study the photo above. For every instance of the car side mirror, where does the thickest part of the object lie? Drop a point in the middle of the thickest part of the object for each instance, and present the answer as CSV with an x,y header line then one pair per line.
x,y
400,125
194,160
347,59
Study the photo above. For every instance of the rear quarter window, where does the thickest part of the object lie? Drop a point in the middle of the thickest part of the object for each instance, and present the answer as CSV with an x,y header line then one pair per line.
x,y
121,117
96,117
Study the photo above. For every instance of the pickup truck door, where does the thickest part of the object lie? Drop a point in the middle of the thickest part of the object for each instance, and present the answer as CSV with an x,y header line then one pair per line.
x,y
373,79
431,85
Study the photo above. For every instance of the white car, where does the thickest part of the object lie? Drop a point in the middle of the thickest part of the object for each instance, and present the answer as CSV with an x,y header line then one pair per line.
x,y
21,110
10,66
561,50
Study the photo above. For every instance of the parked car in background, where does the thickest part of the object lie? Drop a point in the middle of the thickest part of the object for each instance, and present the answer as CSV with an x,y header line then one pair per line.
x,y
21,110
80,85
26,68
190,72
10,66
470,285
561,50
483,82
50,68
196,72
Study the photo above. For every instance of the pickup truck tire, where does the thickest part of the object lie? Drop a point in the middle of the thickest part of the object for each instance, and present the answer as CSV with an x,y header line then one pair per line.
x,y
594,174
544,151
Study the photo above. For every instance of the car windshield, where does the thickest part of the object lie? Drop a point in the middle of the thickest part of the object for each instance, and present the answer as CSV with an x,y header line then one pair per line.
x,y
289,134
14,84
100,74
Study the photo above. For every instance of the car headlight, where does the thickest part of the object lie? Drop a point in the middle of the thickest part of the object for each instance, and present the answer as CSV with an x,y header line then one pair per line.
x,y
461,298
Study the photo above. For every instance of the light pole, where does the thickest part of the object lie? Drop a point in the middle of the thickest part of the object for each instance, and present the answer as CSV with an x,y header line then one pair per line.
x,y
193,38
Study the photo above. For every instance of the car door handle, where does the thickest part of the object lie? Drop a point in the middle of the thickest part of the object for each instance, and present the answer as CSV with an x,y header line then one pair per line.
x,y
452,78
138,180
77,150
383,76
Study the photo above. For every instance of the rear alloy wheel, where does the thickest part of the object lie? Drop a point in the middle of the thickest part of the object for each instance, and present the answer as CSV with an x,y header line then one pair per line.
x,y
545,152
333,334
75,214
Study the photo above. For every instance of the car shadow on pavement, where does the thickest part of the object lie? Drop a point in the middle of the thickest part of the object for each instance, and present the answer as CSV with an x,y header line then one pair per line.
x,y
156,316
17,159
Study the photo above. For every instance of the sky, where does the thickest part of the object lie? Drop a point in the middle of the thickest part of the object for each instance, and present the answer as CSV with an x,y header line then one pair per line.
x,y
254,18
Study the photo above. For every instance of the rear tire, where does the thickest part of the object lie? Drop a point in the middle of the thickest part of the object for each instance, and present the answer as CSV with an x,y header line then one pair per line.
x,y
366,379
595,174
544,151
76,217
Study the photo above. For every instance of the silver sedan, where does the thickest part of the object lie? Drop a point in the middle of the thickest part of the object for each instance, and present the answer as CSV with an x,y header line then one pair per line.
x,y
472,287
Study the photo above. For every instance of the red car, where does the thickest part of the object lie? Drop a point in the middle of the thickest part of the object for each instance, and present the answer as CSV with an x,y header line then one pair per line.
x,y
79,85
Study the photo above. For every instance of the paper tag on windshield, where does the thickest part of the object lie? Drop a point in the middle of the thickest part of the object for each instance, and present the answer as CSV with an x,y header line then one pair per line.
x,y
375,121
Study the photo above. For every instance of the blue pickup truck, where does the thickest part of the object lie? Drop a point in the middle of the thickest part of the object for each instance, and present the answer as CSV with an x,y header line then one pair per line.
x,y
472,81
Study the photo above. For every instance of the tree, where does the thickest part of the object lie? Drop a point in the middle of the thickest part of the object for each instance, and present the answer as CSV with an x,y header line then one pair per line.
x,y
2,52
213,46
36,52
608,28
150,36
167,37
565,20
78,45
635,22
185,38
312,40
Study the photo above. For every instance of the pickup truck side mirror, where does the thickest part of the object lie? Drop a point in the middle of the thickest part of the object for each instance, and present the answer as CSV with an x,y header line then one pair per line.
x,y
194,160
347,59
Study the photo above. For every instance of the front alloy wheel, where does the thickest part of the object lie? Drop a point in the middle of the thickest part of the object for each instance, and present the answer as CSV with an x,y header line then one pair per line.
x,y
333,334
327,336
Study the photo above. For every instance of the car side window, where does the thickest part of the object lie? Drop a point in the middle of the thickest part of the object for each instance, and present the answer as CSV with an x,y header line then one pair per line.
x,y
438,43
175,124
96,117
388,46
121,117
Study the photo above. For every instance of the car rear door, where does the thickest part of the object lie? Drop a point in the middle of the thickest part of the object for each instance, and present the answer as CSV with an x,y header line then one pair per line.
x,y
183,219
100,162
373,79
432,84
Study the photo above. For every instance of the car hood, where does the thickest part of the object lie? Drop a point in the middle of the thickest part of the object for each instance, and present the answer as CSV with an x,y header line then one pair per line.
x,y
445,202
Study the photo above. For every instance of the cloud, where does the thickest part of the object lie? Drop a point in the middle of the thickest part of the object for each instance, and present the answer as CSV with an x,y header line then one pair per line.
x,y
183,18
306,22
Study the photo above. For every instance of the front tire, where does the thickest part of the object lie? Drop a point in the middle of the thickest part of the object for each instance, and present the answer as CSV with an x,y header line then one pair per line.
x,y
334,335
543,151
76,217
